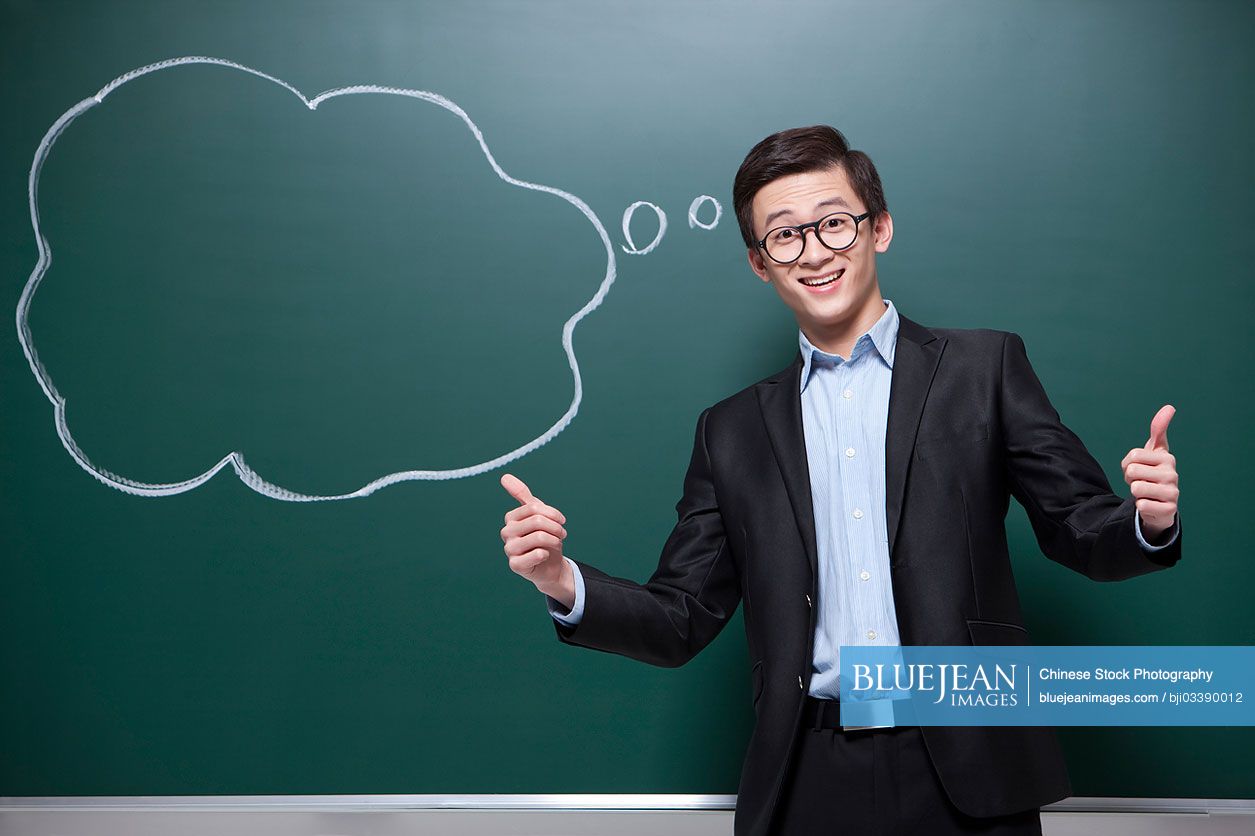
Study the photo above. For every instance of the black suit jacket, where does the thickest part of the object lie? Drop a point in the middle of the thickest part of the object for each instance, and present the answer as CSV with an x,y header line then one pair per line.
x,y
969,426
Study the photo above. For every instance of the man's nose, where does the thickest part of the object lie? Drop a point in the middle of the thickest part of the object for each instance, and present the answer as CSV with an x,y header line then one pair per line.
x,y
813,250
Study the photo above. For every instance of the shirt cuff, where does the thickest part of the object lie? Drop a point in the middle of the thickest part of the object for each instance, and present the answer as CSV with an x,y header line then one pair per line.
x,y
1137,528
577,612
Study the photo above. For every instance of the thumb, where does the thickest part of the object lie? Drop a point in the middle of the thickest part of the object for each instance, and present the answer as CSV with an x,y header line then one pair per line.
x,y
516,488
1159,428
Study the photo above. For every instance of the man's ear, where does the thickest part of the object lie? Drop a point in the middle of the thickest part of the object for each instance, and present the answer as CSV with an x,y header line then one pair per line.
x,y
883,231
756,263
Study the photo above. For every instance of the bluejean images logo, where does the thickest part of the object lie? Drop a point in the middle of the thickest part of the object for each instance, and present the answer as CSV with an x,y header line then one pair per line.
x,y
1047,686
962,685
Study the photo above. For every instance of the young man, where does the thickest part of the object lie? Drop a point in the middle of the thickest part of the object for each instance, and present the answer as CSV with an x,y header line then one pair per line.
x,y
858,497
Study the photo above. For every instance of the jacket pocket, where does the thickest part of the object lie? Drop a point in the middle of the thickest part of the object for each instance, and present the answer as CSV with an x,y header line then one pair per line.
x,y
986,632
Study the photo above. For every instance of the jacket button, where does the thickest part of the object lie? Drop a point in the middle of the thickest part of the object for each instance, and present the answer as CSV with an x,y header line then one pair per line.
x,y
799,682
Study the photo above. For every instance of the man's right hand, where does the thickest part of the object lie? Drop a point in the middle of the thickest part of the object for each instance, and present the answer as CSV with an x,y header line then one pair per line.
x,y
533,536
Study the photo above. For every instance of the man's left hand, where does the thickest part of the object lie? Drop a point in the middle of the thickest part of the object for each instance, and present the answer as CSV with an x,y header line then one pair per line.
x,y
1151,472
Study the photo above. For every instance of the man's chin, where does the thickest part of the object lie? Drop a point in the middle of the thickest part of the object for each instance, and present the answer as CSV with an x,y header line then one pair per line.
x,y
832,317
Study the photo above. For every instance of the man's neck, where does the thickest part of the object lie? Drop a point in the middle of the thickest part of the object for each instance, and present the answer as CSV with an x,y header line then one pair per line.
x,y
840,338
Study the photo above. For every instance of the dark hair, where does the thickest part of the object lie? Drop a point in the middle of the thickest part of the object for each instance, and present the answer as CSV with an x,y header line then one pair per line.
x,y
797,151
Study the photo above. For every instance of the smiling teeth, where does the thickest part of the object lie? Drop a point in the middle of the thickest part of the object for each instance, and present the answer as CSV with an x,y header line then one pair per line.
x,y
822,282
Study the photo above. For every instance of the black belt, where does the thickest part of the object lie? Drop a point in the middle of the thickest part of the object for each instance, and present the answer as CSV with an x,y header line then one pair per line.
x,y
821,714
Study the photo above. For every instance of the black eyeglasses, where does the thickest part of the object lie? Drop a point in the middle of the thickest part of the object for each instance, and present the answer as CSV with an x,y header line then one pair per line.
x,y
838,231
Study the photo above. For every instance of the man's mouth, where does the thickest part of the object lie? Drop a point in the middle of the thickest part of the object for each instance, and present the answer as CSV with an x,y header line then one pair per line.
x,y
820,281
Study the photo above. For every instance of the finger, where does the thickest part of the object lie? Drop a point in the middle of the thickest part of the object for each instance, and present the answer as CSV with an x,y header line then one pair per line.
x,y
1151,473
534,507
525,564
1141,455
1153,510
1145,455
536,522
517,488
1159,428
1155,491
516,546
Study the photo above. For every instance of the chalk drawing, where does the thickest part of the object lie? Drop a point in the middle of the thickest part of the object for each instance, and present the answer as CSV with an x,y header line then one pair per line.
x,y
630,247
697,204
246,474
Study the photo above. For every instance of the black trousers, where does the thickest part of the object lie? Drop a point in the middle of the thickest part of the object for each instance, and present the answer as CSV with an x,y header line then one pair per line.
x,y
877,782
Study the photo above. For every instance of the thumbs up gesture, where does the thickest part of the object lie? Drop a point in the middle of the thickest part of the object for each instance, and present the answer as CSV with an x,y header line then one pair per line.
x,y
533,535
1151,472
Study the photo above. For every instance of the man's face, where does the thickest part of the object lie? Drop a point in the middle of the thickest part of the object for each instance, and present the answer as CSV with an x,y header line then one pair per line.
x,y
854,295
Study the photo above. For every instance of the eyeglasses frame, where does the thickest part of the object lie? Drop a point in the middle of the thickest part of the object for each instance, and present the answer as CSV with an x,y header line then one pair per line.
x,y
801,230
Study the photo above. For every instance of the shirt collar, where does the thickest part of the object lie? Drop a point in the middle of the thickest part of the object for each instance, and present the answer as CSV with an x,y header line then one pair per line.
x,y
882,336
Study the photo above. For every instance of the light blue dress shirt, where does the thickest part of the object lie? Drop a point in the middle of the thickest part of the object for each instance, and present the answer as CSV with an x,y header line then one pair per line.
x,y
845,412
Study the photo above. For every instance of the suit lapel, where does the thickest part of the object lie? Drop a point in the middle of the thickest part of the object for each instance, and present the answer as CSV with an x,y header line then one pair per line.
x,y
780,399
916,356
914,365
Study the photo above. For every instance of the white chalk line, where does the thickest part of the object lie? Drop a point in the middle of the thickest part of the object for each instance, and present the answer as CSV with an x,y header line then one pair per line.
x,y
246,474
630,247
697,204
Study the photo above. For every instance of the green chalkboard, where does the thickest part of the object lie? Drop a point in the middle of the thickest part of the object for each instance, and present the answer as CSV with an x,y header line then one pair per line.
x,y
321,293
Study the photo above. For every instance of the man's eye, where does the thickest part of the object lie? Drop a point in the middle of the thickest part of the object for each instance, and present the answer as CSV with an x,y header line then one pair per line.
x,y
833,223
784,235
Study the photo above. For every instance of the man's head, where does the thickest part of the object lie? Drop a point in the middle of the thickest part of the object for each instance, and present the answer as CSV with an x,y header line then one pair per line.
x,y
798,177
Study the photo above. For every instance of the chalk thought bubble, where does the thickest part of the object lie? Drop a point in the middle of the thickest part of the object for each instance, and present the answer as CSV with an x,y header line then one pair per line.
x,y
235,459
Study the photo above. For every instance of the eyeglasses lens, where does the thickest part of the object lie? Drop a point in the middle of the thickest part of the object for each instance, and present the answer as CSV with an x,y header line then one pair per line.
x,y
836,231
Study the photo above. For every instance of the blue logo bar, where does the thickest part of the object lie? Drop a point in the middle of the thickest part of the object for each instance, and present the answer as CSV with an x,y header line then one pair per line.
x,y
1047,686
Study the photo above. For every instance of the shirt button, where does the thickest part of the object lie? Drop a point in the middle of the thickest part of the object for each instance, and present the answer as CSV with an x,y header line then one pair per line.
x,y
849,452
858,513
871,634
864,575
847,394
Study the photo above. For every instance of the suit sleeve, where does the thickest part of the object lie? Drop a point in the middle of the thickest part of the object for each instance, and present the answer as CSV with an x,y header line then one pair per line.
x,y
1077,519
689,598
